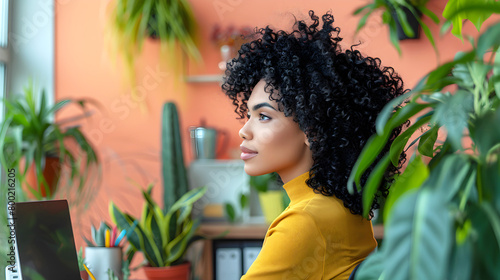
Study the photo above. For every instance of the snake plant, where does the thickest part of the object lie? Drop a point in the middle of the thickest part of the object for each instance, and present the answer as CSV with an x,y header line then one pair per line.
x,y
163,236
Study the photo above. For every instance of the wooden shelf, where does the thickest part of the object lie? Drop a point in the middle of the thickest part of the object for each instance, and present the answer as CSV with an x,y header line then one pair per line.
x,y
234,231
204,78
253,231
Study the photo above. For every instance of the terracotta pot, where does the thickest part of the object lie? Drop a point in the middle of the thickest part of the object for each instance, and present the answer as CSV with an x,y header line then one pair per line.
x,y
84,275
51,173
176,272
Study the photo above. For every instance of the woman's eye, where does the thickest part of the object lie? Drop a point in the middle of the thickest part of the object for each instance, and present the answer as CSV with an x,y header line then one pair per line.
x,y
263,117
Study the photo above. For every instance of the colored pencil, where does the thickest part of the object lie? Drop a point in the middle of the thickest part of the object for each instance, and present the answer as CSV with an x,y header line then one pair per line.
x,y
120,237
88,271
113,238
107,238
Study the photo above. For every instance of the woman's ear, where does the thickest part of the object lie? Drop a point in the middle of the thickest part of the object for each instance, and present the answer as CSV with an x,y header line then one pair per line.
x,y
307,141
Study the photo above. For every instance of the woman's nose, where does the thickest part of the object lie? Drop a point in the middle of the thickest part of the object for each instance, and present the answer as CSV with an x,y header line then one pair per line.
x,y
245,131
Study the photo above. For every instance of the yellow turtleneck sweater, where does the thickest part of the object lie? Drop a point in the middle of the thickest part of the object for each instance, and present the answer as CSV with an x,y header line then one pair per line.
x,y
316,237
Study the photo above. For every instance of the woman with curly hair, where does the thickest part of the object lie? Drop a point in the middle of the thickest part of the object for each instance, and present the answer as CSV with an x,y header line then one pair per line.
x,y
311,107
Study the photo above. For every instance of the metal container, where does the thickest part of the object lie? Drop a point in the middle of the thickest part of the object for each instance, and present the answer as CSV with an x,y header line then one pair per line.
x,y
204,142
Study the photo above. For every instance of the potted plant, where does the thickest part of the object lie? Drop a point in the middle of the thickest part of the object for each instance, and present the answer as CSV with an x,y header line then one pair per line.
x,y
443,213
272,197
81,265
34,143
402,18
172,22
162,236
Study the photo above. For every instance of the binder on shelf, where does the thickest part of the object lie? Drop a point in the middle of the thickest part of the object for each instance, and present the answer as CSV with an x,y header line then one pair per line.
x,y
249,256
228,263
233,258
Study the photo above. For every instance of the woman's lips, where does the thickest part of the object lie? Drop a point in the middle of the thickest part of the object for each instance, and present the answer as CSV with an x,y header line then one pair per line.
x,y
247,153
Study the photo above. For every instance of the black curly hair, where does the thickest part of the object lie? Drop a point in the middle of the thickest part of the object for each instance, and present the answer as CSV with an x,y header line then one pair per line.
x,y
334,95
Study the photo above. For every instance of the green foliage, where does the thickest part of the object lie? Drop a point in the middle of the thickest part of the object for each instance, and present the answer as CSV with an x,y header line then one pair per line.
x,y
29,135
230,212
230,209
443,218
476,11
172,22
393,12
174,176
163,236
81,260
98,235
455,13
262,183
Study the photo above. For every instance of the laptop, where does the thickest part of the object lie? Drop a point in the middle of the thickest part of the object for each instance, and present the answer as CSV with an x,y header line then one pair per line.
x,y
45,242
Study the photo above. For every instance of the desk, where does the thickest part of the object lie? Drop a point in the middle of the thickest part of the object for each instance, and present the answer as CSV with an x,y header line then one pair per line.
x,y
237,231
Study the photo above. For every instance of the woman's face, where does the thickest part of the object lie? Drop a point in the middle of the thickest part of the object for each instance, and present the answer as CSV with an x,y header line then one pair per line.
x,y
271,141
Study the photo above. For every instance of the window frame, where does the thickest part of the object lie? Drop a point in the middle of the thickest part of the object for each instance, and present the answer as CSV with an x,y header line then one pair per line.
x,y
5,56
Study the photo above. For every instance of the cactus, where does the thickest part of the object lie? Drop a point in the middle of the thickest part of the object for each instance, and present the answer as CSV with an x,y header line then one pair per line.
x,y
175,183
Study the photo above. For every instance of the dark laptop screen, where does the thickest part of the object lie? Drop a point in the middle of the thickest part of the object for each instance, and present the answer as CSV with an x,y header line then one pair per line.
x,y
45,240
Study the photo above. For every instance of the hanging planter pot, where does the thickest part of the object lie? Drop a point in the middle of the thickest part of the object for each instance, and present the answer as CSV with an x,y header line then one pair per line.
x,y
413,23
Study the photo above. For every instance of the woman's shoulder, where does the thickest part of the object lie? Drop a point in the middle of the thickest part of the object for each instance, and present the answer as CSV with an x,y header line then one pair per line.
x,y
328,211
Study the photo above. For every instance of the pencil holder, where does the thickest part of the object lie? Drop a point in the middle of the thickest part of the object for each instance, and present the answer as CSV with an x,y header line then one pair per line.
x,y
100,259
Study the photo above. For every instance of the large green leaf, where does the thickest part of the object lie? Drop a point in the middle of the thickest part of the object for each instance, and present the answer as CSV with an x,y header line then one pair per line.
x,y
153,225
189,198
483,135
453,115
414,175
451,176
388,110
460,266
372,184
427,141
368,155
400,142
486,247
372,267
462,71
489,39
377,142
177,246
418,237
126,222
489,182
476,11
496,72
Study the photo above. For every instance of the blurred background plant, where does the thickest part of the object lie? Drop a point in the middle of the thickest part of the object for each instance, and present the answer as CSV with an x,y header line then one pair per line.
x,y
272,197
44,151
403,17
131,22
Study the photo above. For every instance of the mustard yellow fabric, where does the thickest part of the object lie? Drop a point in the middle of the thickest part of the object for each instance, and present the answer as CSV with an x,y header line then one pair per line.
x,y
316,237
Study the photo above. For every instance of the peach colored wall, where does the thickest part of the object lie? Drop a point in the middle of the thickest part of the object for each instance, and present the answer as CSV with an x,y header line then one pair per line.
x,y
128,138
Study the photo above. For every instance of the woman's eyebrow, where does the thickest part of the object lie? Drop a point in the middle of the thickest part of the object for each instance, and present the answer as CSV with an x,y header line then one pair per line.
x,y
263,104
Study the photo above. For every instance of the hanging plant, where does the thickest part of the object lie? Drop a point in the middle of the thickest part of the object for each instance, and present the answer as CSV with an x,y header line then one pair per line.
x,y
399,16
171,21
